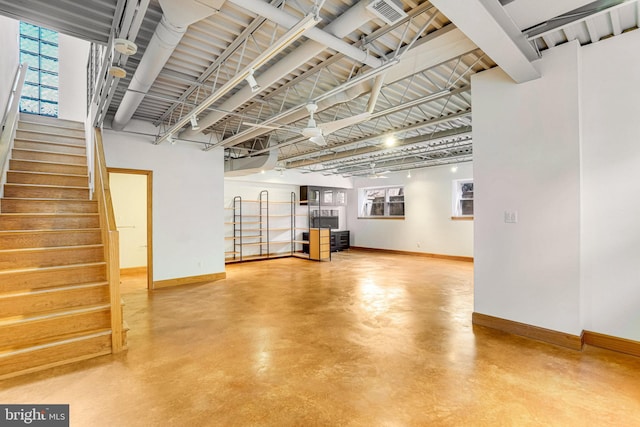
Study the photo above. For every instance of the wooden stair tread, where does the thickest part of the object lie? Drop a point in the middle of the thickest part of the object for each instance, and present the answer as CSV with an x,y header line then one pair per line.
x,y
46,174
52,289
66,187
61,220
49,142
57,267
48,199
48,133
50,152
45,162
60,340
66,312
49,231
50,121
45,214
51,248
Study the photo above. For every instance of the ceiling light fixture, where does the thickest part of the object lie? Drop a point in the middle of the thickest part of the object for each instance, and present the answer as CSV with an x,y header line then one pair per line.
x,y
409,174
253,84
125,47
454,168
117,72
194,123
390,141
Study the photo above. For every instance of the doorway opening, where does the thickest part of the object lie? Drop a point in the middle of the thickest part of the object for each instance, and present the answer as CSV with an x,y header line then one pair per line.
x,y
131,193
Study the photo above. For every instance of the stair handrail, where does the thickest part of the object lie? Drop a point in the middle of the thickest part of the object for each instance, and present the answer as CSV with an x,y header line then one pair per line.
x,y
9,123
110,237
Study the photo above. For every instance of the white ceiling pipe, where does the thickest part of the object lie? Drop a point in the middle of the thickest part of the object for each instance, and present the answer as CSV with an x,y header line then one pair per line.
x,y
307,51
177,16
250,165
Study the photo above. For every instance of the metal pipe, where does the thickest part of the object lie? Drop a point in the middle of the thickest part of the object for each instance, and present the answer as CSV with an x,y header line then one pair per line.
x,y
177,16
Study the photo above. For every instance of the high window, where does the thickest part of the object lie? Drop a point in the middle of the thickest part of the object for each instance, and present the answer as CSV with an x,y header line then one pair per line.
x,y
39,50
381,202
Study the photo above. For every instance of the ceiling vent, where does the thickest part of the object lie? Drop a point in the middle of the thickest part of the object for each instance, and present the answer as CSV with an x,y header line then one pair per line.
x,y
390,11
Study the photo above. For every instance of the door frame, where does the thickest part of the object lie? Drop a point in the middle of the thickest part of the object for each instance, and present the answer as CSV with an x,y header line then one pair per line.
x,y
149,175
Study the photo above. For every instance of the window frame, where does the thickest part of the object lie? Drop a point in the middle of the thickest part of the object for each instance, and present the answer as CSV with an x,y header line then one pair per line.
x,y
458,196
366,203
47,100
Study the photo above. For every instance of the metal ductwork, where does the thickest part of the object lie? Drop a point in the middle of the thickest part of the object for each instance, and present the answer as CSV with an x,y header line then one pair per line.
x,y
330,36
250,165
177,16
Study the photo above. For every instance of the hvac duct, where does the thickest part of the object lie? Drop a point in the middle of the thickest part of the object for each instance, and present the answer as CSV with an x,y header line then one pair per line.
x,y
177,16
349,21
250,165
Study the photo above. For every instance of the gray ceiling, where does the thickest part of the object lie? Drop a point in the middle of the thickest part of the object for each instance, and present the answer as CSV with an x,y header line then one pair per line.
x,y
423,101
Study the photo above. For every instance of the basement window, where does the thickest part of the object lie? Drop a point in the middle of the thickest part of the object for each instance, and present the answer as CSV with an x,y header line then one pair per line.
x,y
381,202
39,50
462,198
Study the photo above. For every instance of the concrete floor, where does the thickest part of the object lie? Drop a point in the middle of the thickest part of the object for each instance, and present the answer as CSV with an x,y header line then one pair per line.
x,y
365,340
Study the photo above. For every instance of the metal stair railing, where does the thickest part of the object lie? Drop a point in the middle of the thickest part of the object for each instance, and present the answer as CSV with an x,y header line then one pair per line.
x,y
9,123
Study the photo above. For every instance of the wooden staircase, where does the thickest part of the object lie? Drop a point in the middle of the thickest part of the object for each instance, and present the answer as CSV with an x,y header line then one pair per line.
x,y
55,300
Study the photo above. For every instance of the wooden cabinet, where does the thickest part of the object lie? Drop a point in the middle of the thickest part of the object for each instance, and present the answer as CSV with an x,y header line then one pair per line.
x,y
339,241
319,244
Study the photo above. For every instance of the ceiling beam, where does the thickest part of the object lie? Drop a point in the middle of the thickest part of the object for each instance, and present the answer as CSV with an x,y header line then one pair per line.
x,y
528,13
487,24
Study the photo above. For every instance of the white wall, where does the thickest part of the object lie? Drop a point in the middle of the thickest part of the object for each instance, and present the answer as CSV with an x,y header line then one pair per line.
x,y
187,200
73,55
9,58
563,151
611,173
129,196
526,159
427,226
428,208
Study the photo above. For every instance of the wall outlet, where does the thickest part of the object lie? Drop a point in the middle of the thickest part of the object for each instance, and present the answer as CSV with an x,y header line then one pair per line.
x,y
511,217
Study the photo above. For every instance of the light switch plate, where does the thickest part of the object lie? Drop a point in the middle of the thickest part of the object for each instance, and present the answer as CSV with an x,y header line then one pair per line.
x,y
511,217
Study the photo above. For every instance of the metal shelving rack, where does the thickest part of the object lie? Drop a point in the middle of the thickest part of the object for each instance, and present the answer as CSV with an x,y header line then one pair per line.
x,y
263,231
